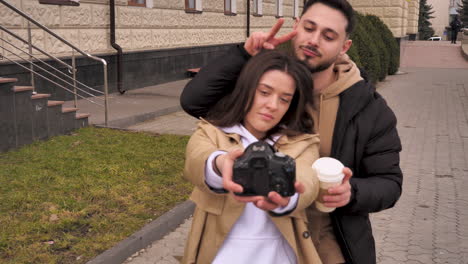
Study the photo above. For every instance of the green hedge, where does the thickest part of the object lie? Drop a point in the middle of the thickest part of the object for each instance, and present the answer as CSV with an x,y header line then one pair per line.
x,y
390,43
374,47
366,48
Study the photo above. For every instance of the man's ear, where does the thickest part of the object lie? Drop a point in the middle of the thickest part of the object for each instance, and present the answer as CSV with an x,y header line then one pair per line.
x,y
346,45
296,23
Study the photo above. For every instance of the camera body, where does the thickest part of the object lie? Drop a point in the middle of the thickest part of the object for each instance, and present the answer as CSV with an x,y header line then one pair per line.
x,y
261,170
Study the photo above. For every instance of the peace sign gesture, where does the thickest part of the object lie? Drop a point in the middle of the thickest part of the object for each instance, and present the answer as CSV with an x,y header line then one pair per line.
x,y
261,40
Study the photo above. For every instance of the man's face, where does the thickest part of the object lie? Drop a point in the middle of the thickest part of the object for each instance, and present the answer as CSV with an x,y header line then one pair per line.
x,y
321,37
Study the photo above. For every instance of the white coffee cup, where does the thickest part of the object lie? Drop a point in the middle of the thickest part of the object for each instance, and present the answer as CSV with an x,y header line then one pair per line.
x,y
330,173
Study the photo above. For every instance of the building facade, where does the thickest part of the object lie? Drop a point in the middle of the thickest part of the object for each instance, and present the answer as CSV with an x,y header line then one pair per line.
x,y
401,16
160,39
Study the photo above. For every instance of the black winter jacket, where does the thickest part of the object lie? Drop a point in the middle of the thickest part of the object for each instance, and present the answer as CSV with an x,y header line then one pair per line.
x,y
365,139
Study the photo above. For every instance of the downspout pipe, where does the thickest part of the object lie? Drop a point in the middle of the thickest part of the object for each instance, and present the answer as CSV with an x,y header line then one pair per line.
x,y
248,19
117,47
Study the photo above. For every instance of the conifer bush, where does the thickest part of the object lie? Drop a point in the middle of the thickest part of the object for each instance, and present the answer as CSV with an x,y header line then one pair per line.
x,y
390,43
366,48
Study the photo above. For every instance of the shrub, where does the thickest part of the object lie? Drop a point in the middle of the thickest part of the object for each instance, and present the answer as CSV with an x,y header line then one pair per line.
x,y
390,43
379,40
366,48
354,55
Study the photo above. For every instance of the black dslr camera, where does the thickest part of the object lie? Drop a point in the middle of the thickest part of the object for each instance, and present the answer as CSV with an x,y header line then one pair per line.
x,y
261,170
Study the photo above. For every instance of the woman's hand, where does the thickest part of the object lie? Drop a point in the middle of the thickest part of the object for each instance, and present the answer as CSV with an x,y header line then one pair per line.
x,y
225,164
275,200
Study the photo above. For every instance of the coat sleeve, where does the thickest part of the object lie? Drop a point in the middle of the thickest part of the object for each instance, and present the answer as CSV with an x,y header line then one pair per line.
x,y
307,176
304,156
214,81
379,184
199,148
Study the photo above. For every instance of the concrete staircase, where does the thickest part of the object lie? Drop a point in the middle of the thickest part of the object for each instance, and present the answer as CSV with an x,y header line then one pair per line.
x,y
25,117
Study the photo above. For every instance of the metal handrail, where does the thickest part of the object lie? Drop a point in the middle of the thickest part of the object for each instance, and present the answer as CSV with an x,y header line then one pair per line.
x,y
54,75
38,59
59,85
104,63
36,48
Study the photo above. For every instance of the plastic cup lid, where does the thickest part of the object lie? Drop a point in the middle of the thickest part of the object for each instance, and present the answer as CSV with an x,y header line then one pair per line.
x,y
329,169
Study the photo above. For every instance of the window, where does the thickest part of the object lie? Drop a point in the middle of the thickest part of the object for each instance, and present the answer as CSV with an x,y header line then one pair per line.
x,y
193,6
296,9
258,7
137,2
60,2
230,7
279,8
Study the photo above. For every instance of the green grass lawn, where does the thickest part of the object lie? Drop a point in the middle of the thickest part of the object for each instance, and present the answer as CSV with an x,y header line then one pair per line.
x,y
70,198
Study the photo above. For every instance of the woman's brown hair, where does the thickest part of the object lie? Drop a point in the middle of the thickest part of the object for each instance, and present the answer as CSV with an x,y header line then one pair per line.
x,y
232,109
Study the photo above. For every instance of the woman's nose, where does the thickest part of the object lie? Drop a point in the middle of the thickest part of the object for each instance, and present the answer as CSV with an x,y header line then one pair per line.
x,y
272,103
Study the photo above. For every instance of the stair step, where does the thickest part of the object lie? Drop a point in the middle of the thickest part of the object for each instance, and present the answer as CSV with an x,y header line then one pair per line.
x,y
39,96
8,80
69,109
18,89
54,103
82,115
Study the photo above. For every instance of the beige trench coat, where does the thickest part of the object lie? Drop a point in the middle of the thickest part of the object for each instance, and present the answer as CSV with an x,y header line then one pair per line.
x,y
215,213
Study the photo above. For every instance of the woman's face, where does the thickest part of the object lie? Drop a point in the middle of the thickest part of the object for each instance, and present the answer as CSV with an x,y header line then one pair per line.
x,y
273,96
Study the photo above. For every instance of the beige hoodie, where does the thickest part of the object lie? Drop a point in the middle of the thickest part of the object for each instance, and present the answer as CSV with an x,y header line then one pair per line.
x,y
324,113
326,102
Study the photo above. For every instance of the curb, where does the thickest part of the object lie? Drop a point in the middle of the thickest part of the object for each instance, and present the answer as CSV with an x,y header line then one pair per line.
x,y
151,232
464,50
133,120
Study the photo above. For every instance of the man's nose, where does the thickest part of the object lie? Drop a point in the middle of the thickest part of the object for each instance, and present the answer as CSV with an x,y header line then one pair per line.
x,y
313,38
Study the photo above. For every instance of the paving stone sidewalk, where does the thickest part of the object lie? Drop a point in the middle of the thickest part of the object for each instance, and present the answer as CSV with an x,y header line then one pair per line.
x,y
429,224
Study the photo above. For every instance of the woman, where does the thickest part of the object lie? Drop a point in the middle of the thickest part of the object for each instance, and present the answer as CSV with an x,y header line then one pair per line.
x,y
268,103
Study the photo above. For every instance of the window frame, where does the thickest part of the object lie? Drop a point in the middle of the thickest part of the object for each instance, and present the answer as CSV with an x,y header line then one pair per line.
x,y
296,13
60,2
279,8
133,3
231,8
258,8
197,9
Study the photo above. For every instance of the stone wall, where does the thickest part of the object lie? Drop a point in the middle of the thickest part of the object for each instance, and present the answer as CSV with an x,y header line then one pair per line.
x,y
165,25
401,16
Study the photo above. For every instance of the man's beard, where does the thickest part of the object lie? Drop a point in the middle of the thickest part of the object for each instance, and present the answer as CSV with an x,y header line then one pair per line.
x,y
320,67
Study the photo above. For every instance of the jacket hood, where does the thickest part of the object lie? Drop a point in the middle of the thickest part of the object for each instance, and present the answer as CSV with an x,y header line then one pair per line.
x,y
347,74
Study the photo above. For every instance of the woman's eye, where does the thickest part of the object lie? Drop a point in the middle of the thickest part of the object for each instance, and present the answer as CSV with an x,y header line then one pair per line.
x,y
263,92
285,100
308,29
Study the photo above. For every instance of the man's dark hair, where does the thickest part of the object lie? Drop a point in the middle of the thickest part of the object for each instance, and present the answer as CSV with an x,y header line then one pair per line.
x,y
232,109
341,5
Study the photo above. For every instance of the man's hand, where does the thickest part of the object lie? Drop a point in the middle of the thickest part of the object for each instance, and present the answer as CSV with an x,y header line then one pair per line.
x,y
275,200
261,40
340,195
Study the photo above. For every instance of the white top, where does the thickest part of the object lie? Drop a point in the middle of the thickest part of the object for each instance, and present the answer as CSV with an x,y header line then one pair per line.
x,y
254,237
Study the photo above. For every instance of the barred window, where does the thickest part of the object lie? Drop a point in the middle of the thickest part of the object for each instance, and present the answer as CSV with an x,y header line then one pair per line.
x,y
230,7
137,3
193,6
258,7
279,8
296,9
60,2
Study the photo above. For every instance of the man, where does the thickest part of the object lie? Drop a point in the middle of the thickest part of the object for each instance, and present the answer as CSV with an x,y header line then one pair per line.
x,y
354,122
455,26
